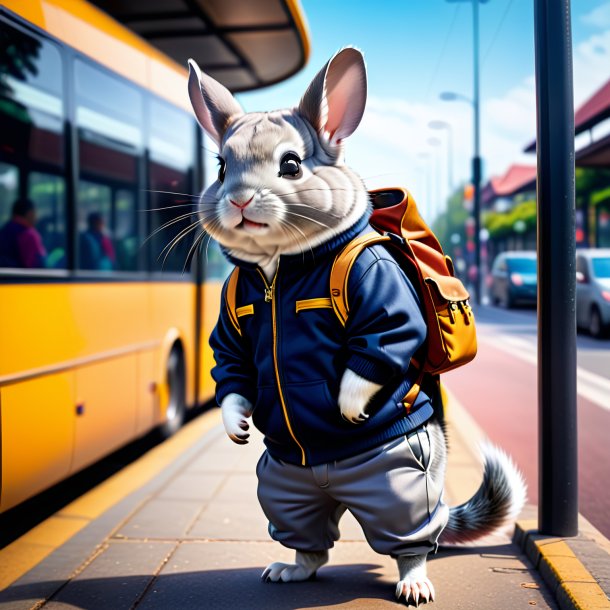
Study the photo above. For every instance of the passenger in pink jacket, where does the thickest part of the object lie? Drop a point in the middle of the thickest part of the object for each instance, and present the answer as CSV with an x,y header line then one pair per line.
x,y
20,243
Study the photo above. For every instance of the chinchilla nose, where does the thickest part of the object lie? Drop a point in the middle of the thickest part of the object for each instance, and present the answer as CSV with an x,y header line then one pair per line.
x,y
241,205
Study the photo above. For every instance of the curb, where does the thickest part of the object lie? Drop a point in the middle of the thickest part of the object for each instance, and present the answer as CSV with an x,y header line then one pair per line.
x,y
570,582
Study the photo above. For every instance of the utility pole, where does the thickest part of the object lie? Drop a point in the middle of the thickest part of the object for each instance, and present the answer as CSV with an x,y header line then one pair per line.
x,y
557,413
476,160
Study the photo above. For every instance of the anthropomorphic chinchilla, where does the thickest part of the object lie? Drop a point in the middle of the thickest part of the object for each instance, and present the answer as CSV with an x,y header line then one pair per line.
x,y
326,397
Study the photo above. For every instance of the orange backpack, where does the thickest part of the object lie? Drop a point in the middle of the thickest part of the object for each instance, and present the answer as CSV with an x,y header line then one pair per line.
x,y
451,339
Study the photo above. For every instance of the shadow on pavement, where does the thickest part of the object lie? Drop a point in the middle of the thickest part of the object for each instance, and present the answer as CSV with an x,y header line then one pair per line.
x,y
361,585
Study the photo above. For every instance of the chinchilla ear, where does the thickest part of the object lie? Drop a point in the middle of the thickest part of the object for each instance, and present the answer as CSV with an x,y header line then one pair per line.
x,y
335,99
212,102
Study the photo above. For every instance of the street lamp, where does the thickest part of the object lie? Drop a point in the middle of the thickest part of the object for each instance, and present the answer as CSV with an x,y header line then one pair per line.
x,y
476,160
447,127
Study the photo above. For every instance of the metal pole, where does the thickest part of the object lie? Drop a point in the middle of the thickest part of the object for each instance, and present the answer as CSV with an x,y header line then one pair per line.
x,y
476,161
558,489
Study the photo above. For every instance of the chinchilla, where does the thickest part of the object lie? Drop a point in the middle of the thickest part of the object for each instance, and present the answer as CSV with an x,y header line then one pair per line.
x,y
283,188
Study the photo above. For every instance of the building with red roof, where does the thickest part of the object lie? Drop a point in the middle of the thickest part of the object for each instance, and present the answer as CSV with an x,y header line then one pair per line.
x,y
517,179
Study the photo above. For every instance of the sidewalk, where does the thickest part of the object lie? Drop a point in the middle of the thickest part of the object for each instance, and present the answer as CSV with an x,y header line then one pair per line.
x,y
190,534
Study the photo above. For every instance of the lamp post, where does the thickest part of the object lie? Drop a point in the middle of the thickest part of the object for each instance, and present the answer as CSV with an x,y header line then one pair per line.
x,y
446,127
476,159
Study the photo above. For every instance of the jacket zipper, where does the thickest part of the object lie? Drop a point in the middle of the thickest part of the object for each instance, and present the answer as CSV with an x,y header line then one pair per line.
x,y
270,297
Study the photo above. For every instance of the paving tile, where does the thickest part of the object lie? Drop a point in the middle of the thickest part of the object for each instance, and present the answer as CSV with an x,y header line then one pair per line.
x,y
239,488
160,519
237,520
114,579
227,576
199,487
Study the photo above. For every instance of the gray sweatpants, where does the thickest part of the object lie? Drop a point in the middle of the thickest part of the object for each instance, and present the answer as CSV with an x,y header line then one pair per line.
x,y
388,490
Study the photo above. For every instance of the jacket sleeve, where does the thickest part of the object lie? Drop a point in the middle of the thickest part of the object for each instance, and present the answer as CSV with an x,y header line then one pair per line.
x,y
234,370
385,326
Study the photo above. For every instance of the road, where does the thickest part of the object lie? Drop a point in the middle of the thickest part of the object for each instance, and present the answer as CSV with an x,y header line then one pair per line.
x,y
499,389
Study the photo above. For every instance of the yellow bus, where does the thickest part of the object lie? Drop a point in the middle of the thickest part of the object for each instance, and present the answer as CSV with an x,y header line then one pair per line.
x,y
103,332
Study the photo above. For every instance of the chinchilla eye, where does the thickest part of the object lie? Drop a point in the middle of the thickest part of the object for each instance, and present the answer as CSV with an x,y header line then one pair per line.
x,y
290,166
222,169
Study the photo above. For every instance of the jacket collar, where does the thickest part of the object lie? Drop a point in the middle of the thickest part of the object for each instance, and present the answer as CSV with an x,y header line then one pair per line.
x,y
311,257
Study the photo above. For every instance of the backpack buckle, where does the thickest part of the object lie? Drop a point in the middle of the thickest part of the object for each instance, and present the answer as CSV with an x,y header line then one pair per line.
x,y
395,239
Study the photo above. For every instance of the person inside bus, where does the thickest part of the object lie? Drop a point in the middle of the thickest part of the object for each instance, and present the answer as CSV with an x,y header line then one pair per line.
x,y
20,243
96,248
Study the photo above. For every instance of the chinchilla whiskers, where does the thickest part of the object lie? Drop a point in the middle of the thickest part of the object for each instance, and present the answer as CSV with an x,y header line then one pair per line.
x,y
183,232
174,242
298,241
172,222
173,193
290,234
169,207
305,205
165,226
322,224
196,242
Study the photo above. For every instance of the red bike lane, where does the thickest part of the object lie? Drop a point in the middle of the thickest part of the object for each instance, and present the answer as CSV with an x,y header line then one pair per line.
x,y
500,392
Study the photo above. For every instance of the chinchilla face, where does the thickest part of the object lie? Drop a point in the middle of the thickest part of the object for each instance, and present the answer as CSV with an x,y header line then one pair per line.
x,y
282,186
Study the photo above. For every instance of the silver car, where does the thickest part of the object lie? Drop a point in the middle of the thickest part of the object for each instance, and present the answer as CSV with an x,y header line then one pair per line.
x,y
593,290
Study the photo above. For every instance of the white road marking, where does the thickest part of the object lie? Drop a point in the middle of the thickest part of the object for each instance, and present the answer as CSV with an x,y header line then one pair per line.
x,y
591,386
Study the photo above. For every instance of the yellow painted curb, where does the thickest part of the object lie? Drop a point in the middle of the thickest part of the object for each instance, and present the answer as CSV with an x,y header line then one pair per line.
x,y
26,552
572,584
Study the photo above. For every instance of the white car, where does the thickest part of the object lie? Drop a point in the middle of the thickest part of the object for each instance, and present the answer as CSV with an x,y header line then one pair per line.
x,y
593,290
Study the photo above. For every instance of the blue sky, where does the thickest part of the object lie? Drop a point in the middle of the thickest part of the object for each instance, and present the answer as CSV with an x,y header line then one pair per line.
x,y
415,49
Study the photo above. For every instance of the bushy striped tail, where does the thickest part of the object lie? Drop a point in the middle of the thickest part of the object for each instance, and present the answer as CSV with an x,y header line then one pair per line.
x,y
496,503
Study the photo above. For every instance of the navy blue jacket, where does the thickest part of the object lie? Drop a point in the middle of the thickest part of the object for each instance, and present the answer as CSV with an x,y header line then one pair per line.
x,y
292,352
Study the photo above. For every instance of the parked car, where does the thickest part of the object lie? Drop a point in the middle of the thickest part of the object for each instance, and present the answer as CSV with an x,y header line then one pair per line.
x,y
514,279
593,290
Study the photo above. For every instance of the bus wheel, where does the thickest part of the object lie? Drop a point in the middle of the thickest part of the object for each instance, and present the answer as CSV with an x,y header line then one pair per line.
x,y
176,406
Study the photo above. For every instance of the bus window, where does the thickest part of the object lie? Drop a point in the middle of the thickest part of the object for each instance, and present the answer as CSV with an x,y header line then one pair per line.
x,y
173,221
125,230
32,185
110,134
48,193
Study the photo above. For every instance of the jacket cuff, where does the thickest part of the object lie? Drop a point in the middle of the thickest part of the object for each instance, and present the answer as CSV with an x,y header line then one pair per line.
x,y
369,369
235,387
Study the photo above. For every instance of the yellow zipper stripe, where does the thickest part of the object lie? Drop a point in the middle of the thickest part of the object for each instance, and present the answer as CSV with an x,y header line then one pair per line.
x,y
245,310
314,304
277,372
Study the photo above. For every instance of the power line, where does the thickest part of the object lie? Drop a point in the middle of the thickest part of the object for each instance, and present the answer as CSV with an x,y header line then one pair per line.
x,y
498,28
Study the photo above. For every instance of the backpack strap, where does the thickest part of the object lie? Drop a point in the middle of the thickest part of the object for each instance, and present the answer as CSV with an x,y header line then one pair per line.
x,y
231,299
342,265
339,277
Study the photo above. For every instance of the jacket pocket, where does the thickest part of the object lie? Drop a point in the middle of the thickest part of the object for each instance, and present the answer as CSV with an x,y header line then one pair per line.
x,y
314,410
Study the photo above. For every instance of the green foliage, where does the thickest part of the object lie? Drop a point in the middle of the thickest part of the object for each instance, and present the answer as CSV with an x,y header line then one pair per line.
x,y
500,225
